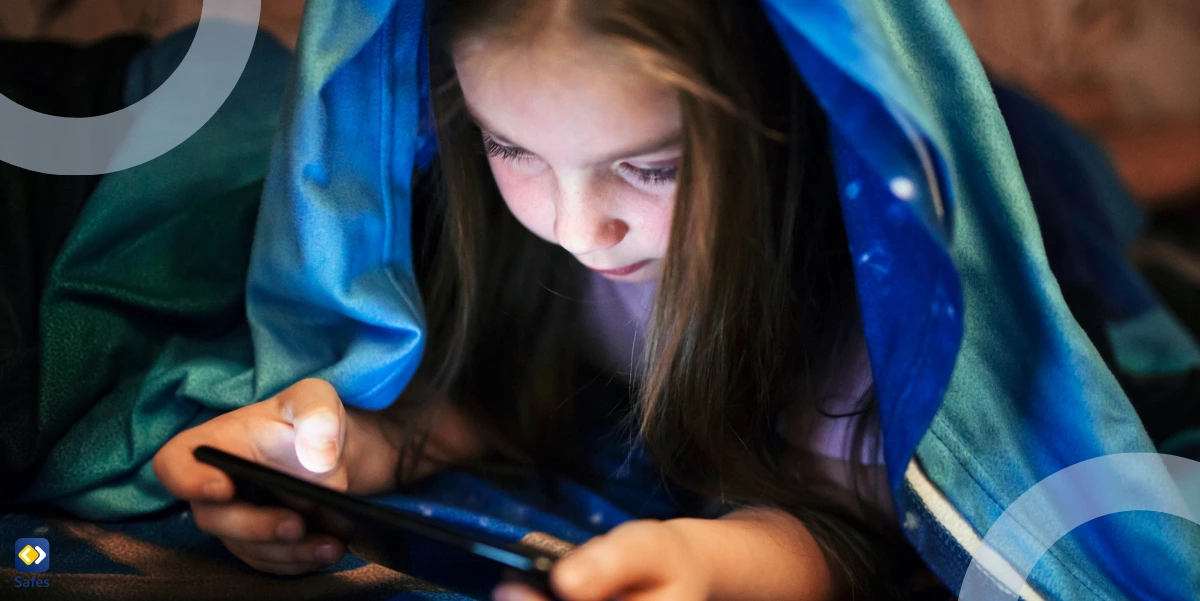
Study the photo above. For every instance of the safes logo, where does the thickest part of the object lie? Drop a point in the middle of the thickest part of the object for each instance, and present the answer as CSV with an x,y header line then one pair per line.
x,y
33,555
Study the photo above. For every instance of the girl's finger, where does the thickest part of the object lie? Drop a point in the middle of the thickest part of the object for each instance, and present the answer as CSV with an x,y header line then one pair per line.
x,y
314,549
250,523
634,555
187,478
516,591
319,418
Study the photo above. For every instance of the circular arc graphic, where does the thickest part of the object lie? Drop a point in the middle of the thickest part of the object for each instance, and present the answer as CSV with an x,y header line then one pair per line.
x,y
151,127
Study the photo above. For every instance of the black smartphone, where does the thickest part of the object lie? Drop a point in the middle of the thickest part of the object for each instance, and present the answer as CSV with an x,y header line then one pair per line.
x,y
372,531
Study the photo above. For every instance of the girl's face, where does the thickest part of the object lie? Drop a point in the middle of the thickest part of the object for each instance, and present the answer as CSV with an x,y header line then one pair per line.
x,y
584,148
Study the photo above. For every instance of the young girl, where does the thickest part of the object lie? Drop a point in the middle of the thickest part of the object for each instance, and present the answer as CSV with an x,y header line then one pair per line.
x,y
644,190
620,187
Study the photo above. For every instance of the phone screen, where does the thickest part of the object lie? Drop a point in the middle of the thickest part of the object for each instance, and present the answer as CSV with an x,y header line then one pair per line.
x,y
372,531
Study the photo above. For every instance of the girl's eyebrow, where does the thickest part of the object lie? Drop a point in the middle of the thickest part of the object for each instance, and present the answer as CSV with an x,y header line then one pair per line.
x,y
670,140
483,125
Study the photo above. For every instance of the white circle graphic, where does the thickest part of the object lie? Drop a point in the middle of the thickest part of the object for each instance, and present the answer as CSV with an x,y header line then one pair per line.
x,y
153,126
1068,499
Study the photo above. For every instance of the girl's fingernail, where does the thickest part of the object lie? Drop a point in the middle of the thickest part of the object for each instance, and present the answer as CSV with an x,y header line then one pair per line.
x,y
326,553
290,530
572,572
325,450
319,455
508,592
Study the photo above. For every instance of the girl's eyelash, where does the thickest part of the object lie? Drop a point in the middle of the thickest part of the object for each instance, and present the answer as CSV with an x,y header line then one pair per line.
x,y
508,153
657,176
654,177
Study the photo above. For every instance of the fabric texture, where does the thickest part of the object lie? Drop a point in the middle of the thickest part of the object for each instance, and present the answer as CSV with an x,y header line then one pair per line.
x,y
143,317
37,212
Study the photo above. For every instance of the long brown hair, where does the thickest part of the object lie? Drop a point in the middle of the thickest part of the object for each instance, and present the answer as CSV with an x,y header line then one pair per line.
x,y
756,302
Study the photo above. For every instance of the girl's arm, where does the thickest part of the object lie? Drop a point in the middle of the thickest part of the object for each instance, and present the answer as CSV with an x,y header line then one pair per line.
x,y
755,554
747,555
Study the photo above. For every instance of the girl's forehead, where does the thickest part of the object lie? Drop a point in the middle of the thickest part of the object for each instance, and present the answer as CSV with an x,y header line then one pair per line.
x,y
581,100
556,51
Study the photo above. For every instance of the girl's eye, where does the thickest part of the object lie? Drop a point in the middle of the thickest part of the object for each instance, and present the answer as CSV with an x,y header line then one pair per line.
x,y
509,153
655,177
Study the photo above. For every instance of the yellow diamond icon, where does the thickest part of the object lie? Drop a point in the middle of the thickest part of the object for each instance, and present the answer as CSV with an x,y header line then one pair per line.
x,y
27,555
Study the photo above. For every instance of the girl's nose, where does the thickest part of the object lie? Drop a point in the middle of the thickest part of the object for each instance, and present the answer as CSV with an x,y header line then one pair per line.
x,y
583,234
581,227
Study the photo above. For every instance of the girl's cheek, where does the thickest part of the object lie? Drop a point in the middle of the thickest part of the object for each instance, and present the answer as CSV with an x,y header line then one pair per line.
x,y
528,198
661,224
653,215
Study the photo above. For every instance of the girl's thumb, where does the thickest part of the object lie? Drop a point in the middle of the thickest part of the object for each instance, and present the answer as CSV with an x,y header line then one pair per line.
x,y
318,419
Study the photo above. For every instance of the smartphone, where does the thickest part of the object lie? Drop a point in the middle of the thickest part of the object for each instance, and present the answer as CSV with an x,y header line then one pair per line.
x,y
372,531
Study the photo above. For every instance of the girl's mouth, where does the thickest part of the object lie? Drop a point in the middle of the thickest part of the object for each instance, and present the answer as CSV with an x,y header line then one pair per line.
x,y
628,269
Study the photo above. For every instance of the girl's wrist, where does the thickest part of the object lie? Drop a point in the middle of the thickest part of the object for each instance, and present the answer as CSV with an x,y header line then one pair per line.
x,y
755,554
695,543
371,451
376,443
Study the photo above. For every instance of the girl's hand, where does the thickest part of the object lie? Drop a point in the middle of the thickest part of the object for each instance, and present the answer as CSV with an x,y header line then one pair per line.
x,y
637,561
304,431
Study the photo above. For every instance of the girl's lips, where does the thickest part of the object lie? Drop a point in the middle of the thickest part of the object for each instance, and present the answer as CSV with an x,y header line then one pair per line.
x,y
621,270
